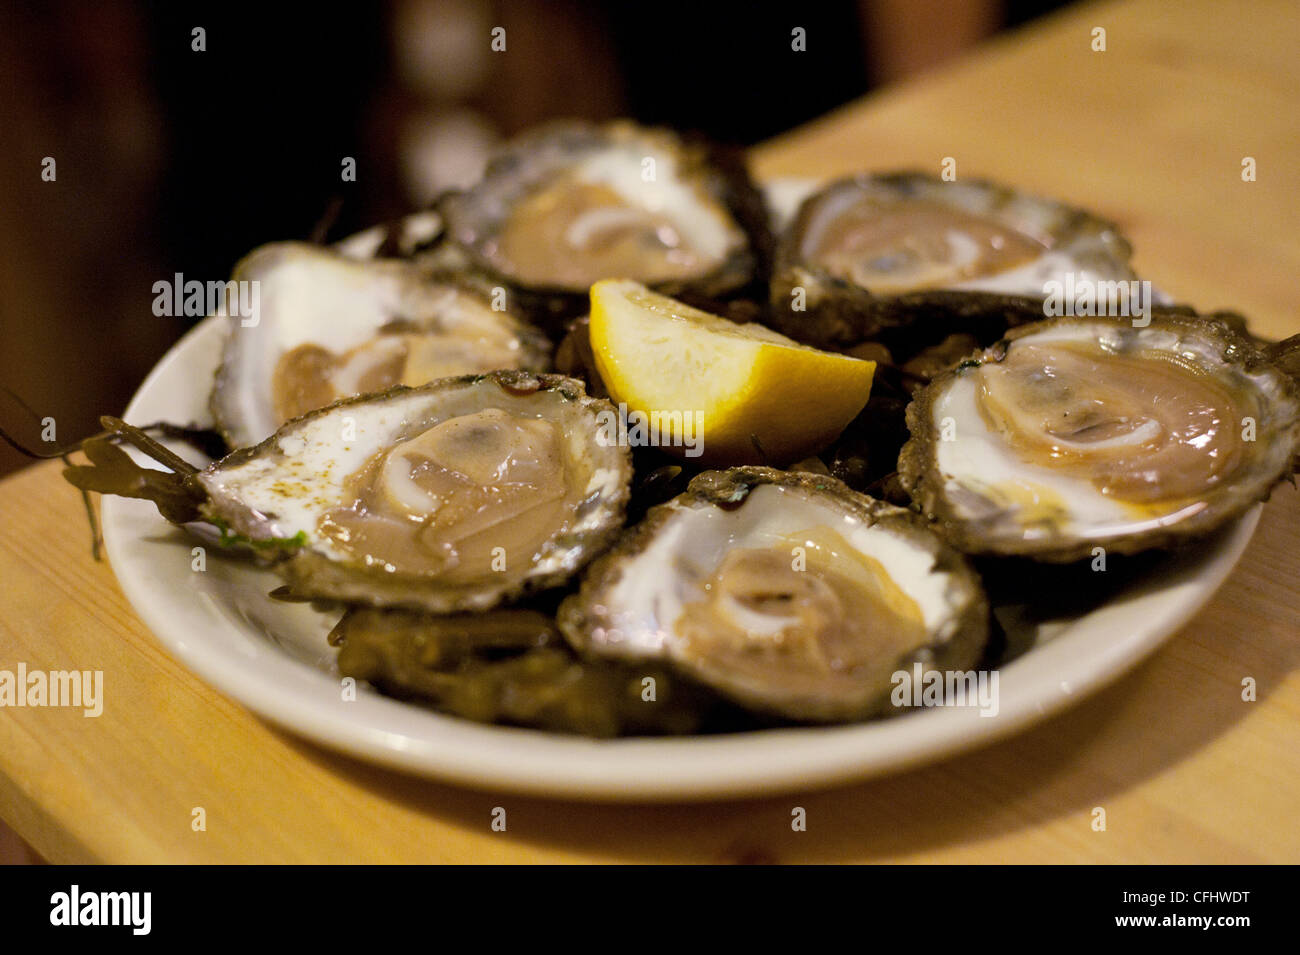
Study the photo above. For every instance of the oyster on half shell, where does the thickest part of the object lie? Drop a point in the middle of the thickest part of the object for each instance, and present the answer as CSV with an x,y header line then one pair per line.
x,y
786,592
329,327
456,495
570,203
875,252
1075,433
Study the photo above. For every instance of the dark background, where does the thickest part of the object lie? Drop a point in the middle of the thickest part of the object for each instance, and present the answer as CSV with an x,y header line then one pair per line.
x,y
173,160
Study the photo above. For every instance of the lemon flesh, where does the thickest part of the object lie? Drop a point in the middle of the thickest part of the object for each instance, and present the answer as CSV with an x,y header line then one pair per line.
x,y
740,394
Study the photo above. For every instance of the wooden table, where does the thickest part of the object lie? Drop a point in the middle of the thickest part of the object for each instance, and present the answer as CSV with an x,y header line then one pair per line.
x,y
1151,133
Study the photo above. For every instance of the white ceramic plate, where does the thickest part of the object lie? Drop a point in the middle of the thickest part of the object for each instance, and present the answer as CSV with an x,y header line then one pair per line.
x,y
273,658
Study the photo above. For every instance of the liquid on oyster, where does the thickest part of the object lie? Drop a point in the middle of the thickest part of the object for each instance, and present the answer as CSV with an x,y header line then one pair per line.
x,y
1144,428
807,609
574,233
894,246
457,499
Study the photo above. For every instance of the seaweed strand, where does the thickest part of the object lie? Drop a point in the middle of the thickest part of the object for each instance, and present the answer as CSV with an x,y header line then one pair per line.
x,y
146,444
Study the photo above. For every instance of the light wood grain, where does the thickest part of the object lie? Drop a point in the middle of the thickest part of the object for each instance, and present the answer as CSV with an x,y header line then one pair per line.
x,y
1151,135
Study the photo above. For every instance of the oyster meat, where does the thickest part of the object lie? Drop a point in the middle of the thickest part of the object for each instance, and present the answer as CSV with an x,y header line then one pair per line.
x,y
456,495
1076,433
568,204
785,592
873,252
328,327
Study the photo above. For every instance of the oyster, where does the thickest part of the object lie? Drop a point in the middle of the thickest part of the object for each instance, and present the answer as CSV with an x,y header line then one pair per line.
x,y
403,238
874,252
1076,433
328,327
785,592
570,203
457,495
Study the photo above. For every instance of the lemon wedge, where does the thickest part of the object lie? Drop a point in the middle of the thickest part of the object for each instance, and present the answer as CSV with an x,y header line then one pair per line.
x,y
719,392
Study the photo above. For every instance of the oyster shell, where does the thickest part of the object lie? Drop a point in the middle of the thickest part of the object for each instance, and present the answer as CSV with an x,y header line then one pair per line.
x,y
418,238
1075,433
570,203
403,238
457,495
329,327
786,592
510,665
875,252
